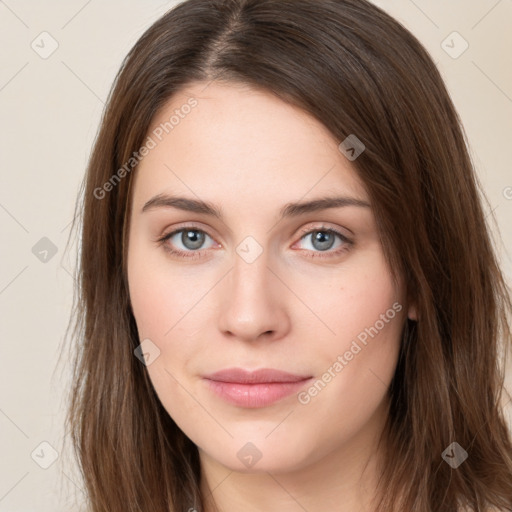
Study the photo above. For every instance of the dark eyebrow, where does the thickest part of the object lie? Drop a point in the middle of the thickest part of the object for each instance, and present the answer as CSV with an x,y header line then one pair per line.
x,y
288,210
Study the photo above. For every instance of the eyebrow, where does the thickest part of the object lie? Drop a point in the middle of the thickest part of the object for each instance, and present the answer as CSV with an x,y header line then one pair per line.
x,y
288,210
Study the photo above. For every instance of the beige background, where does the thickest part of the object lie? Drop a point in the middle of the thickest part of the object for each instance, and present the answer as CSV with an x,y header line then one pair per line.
x,y
50,110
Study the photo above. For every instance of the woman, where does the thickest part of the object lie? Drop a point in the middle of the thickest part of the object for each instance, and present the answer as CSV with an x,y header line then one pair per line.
x,y
288,297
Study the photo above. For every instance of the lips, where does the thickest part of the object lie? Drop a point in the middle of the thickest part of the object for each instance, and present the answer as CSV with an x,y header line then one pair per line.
x,y
264,375
253,389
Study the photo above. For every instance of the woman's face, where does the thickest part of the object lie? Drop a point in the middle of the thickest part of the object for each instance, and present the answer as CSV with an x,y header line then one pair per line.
x,y
258,280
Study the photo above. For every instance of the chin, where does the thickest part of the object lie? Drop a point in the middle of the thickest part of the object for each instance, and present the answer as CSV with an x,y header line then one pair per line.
x,y
261,456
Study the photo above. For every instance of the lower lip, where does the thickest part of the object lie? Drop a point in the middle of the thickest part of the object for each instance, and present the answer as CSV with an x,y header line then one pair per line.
x,y
254,395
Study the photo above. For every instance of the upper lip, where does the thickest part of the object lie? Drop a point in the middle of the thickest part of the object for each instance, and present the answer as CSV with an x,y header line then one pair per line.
x,y
243,376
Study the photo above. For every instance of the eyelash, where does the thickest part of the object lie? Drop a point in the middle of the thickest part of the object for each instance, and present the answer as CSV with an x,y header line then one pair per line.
x,y
197,254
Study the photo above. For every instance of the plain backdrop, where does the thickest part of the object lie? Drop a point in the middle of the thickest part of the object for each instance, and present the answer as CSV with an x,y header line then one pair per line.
x,y
57,63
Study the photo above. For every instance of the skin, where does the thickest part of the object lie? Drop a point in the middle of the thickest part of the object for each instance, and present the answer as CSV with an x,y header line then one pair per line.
x,y
250,153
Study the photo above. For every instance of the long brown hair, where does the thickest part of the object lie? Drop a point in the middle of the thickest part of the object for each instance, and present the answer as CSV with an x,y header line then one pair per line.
x,y
358,71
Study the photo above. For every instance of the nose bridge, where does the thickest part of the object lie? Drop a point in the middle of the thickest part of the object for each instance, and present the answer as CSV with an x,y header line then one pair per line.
x,y
252,305
251,275
250,285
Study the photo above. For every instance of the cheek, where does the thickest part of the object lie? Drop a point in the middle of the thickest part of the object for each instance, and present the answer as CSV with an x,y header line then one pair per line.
x,y
358,300
356,360
169,309
161,295
161,301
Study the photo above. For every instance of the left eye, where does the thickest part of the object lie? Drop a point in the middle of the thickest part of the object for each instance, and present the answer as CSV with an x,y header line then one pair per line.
x,y
323,239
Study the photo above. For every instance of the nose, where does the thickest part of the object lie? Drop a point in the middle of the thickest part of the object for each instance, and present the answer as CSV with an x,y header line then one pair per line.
x,y
253,302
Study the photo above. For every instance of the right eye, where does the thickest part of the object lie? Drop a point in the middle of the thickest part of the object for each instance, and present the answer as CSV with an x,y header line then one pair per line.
x,y
190,238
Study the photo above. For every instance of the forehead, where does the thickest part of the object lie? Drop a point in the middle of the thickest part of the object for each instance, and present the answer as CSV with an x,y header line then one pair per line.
x,y
233,141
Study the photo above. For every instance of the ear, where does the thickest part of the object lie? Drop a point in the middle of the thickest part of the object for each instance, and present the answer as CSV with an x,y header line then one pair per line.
x,y
412,312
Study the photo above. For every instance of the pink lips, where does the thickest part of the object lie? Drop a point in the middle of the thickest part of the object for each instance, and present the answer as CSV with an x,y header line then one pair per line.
x,y
254,389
